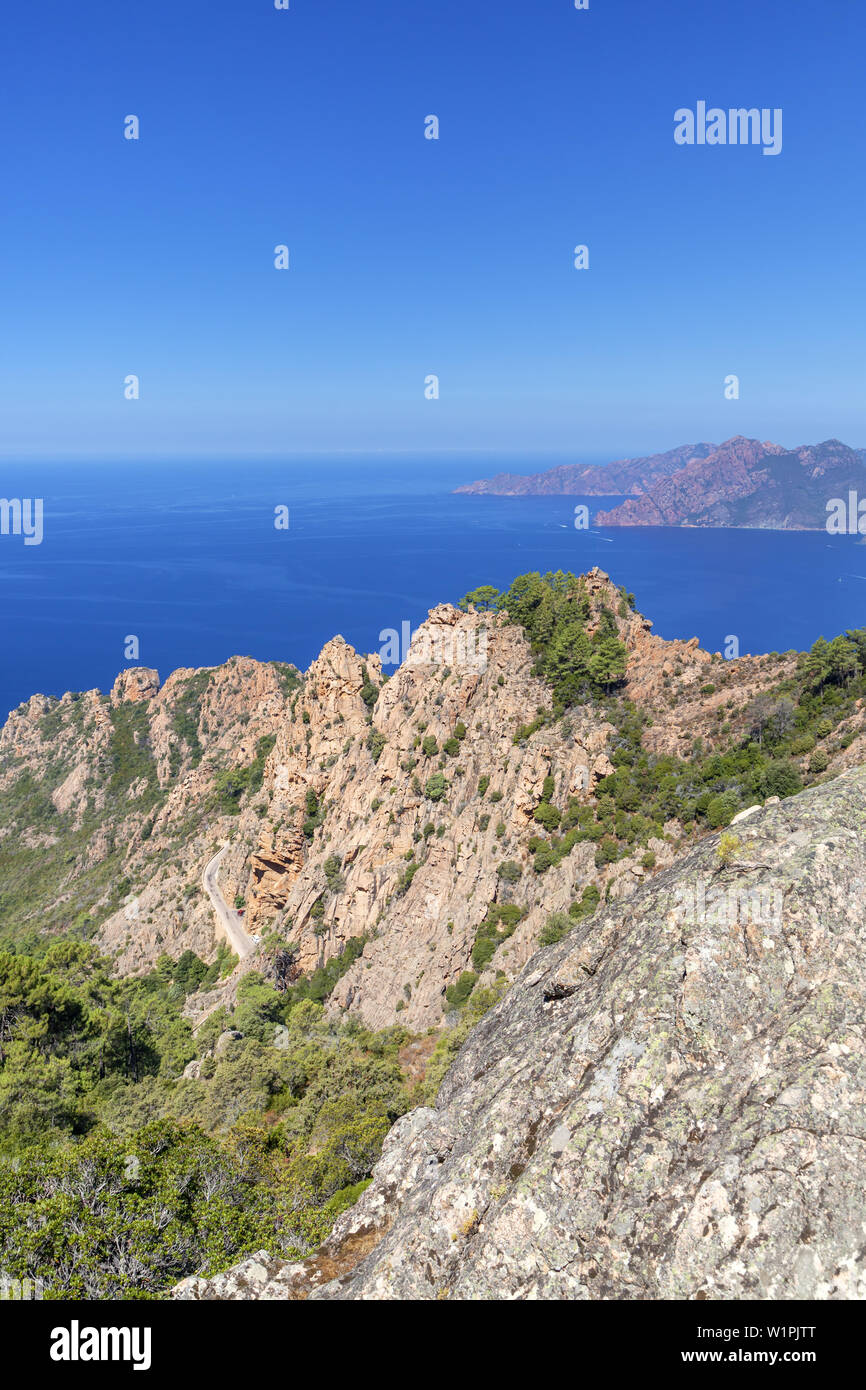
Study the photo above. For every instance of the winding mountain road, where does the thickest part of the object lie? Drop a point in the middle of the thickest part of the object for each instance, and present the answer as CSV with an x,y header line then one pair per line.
x,y
233,928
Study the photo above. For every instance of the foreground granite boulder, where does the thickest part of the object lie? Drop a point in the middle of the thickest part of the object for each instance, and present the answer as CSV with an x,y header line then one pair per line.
x,y
669,1104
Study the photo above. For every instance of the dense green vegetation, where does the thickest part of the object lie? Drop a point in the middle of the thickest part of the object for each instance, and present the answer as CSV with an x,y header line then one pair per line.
x,y
320,983
130,755
119,1176
554,611
436,787
797,719
633,803
755,757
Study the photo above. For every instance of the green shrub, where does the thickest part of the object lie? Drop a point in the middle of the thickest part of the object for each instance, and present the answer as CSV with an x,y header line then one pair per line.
x,y
315,814
782,778
369,691
458,994
547,816
436,787
804,743
607,852
527,730
722,809
509,871
335,881
557,926
588,902
498,926
406,880
376,742
545,858
233,783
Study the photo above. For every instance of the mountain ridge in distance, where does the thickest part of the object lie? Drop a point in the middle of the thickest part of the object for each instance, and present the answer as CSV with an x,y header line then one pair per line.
x,y
740,483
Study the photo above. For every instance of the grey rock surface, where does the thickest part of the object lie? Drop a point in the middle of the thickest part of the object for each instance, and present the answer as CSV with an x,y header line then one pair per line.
x,y
669,1104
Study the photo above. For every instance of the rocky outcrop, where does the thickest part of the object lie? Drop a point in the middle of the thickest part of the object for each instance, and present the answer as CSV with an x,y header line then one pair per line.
x,y
669,1104
274,867
138,772
135,684
412,875
380,810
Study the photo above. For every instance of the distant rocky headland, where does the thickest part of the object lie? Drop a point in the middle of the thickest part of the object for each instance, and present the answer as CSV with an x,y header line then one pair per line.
x,y
742,482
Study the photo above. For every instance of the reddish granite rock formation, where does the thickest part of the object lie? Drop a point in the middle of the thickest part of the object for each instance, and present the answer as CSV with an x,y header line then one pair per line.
x,y
135,684
338,836
746,483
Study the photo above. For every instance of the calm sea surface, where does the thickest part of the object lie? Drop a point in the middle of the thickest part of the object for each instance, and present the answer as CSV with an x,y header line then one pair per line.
x,y
187,558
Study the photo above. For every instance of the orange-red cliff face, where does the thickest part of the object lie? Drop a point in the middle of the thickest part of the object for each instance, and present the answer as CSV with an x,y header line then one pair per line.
x,y
343,831
733,470
742,482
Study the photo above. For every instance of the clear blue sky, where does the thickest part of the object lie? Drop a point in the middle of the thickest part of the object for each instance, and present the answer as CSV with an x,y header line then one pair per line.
x,y
412,257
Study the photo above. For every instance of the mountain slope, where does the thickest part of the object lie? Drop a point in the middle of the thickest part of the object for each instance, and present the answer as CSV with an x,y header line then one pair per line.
x,y
746,483
667,1105
350,844
412,839
742,482
624,476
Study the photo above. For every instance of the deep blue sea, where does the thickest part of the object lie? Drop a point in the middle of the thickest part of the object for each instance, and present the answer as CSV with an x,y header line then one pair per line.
x,y
187,558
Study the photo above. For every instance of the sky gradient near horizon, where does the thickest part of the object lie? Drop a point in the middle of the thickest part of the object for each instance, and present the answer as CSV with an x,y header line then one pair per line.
x,y
411,257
